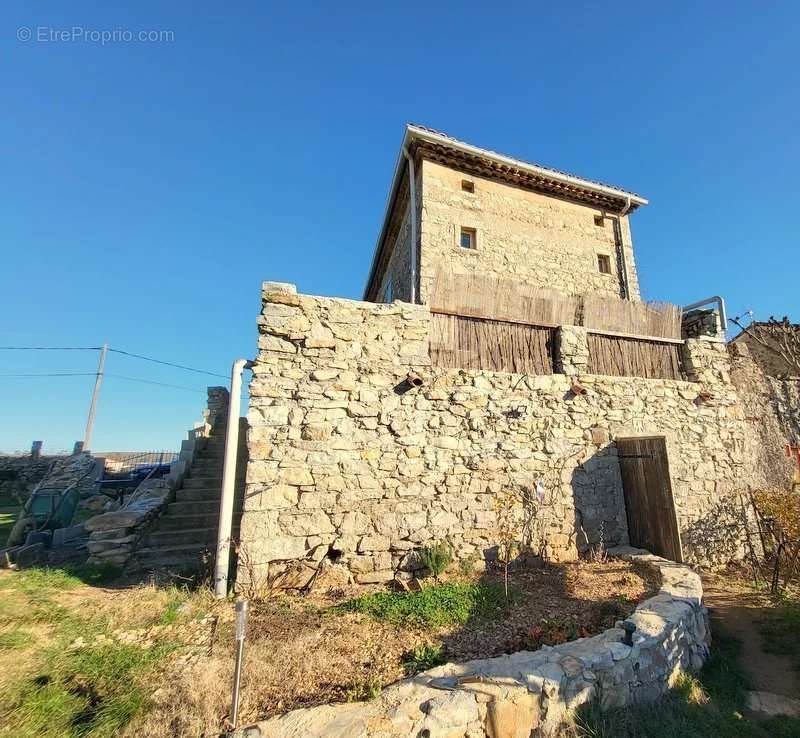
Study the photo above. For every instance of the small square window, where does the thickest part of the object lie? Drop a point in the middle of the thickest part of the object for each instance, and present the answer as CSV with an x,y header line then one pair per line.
x,y
599,220
467,186
467,240
604,264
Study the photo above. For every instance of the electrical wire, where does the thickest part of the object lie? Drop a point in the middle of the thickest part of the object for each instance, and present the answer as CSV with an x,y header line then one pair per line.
x,y
50,348
116,351
167,363
54,374
150,381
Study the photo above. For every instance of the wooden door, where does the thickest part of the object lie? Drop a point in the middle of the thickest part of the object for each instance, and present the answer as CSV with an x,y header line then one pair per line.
x,y
652,522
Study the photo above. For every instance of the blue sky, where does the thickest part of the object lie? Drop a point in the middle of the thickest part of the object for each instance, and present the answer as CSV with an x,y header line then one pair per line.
x,y
147,188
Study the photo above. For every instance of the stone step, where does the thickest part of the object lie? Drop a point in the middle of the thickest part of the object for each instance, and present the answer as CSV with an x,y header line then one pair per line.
x,y
195,507
188,522
184,556
184,536
194,482
197,494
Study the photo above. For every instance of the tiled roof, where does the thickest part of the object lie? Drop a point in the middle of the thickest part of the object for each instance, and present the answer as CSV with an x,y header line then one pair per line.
x,y
543,169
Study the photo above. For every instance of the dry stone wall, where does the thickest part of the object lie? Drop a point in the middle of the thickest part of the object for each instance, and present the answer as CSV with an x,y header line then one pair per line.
x,y
529,693
350,463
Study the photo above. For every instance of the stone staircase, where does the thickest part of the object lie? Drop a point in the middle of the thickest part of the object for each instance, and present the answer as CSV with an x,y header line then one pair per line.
x,y
187,531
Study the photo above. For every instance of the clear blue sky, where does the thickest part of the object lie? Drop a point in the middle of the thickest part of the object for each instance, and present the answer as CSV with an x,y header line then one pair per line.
x,y
146,189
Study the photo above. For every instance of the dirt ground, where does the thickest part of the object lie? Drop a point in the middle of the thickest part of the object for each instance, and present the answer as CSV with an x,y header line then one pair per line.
x,y
739,610
301,650
300,654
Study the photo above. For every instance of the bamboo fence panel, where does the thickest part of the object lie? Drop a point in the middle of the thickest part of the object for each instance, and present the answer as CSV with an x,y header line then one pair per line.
x,y
633,357
651,319
496,298
459,342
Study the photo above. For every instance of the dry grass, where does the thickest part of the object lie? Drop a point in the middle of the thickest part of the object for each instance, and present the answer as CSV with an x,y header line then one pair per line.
x,y
301,653
300,650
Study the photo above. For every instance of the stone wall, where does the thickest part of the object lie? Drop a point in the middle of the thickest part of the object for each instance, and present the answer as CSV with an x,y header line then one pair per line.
x,y
350,463
785,394
771,362
529,694
524,234
20,474
771,419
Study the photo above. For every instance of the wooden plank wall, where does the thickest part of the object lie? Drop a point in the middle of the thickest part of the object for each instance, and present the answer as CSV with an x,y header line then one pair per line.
x,y
459,342
633,357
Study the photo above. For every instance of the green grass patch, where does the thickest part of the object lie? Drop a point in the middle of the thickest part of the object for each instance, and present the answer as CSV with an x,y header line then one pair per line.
x,y
92,691
709,705
436,606
422,658
172,611
780,632
40,581
11,640
8,516
86,683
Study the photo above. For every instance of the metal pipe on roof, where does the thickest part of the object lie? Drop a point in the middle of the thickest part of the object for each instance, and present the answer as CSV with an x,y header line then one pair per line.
x,y
723,316
412,190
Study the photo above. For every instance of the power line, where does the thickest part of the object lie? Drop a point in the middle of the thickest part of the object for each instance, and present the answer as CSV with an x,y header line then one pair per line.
x,y
50,348
150,381
168,363
116,351
53,374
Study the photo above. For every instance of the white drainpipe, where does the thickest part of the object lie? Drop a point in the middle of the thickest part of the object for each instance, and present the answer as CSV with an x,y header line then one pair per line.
x,y
228,481
412,186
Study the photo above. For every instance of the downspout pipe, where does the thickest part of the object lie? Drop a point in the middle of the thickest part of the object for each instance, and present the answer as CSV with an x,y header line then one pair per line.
x,y
623,261
229,481
412,190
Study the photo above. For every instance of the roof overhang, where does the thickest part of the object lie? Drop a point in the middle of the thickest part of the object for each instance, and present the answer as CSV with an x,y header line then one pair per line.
x,y
483,162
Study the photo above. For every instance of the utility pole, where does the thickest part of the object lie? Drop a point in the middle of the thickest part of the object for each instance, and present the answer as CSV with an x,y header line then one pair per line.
x,y
98,380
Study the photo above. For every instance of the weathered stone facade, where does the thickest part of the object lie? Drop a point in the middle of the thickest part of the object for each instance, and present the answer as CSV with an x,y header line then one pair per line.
x,y
530,236
395,281
534,228
350,463
529,693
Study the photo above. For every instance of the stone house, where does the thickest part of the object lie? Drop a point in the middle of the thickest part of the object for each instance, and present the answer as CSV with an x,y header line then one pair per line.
x,y
380,426
478,211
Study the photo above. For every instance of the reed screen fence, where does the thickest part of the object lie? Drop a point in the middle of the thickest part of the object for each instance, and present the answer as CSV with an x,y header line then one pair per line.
x,y
632,357
459,342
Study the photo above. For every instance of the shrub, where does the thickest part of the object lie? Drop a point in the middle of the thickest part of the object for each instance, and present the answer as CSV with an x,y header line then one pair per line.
x,y
436,606
364,690
778,513
422,658
552,631
436,558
